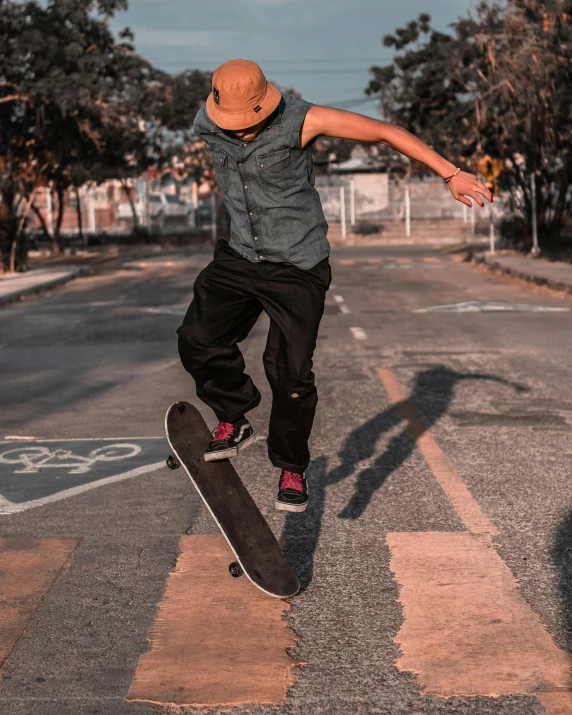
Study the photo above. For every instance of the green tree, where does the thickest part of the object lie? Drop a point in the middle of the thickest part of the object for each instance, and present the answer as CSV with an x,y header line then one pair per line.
x,y
498,84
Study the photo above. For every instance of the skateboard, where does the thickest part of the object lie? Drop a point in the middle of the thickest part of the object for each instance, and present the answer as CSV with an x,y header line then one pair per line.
x,y
256,549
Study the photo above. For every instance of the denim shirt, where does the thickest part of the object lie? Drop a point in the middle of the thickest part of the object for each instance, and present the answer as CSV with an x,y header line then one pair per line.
x,y
267,186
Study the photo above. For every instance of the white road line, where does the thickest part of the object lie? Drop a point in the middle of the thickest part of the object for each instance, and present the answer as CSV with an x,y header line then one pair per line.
x,y
8,507
344,308
359,333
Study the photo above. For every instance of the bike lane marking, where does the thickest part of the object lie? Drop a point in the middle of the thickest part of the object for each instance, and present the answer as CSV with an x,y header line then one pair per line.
x,y
38,472
216,640
29,567
467,630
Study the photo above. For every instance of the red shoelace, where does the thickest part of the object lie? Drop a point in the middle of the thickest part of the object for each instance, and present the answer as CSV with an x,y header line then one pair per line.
x,y
291,480
224,430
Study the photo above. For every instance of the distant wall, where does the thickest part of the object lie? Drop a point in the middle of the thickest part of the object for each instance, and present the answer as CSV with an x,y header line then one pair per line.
x,y
371,193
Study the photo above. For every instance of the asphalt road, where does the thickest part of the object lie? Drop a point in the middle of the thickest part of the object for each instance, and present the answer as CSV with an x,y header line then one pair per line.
x,y
87,372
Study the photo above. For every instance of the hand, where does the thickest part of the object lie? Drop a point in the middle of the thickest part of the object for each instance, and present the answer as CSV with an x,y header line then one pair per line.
x,y
464,184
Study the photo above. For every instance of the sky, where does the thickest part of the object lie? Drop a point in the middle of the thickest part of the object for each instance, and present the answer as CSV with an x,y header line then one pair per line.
x,y
323,48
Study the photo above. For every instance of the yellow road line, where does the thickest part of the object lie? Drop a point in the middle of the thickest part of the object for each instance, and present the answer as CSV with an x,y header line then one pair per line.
x,y
431,259
467,630
556,703
29,567
216,640
444,472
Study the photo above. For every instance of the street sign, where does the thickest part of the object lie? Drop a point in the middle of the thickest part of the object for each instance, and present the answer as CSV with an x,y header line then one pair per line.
x,y
489,167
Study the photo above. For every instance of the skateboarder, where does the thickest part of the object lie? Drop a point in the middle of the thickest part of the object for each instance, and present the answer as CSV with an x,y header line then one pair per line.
x,y
276,260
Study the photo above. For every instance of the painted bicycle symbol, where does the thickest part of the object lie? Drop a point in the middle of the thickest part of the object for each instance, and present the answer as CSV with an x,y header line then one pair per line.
x,y
36,458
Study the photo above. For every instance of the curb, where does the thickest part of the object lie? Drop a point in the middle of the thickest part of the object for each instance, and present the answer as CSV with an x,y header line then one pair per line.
x,y
45,284
523,275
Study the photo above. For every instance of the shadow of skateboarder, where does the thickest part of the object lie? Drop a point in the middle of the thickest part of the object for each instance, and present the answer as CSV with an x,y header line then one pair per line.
x,y
431,396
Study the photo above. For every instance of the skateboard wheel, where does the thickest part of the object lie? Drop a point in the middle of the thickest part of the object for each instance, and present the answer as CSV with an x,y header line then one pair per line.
x,y
172,462
235,569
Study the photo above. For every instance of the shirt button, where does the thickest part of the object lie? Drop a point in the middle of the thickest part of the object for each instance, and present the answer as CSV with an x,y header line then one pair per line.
x,y
250,213
261,258
246,187
245,144
256,238
241,163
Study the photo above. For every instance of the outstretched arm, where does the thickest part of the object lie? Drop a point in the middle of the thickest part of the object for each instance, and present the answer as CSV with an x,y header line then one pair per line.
x,y
331,122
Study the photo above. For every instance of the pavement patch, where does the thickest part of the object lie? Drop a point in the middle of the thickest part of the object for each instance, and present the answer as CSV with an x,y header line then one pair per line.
x,y
467,630
33,473
216,640
28,569
485,306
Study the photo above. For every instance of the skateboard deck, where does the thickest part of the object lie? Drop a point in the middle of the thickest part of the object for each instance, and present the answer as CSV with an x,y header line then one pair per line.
x,y
230,504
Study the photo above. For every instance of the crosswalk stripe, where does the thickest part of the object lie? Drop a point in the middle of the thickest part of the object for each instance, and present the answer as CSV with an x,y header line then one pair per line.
x,y
467,630
29,567
216,640
556,703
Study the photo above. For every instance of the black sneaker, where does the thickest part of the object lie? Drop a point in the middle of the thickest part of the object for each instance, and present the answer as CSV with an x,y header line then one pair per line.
x,y
292,492
229,439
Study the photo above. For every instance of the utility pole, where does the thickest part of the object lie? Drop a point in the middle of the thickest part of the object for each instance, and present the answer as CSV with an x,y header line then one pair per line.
x,y
492,228
535,249
352,201
343,210
407,211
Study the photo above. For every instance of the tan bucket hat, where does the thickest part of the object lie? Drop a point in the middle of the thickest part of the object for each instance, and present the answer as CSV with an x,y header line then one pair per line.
x,y
241,95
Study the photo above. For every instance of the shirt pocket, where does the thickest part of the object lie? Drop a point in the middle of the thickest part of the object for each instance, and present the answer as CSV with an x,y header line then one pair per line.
x,y
275,168
220,164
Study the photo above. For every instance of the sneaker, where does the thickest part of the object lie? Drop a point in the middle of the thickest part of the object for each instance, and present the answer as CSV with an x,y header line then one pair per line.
x,y
229,439
292,492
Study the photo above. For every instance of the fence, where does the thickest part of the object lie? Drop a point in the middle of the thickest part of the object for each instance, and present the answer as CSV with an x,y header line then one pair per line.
x,y
116,208
358,207
372,205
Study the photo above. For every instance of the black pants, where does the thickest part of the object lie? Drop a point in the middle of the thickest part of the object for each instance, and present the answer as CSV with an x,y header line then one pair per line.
x,y
229,295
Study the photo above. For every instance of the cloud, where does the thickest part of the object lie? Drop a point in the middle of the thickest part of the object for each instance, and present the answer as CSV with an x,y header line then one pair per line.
x,y
182,38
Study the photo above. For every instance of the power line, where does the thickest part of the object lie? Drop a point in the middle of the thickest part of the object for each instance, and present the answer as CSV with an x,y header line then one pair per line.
x,y
349,103
284,61
297,71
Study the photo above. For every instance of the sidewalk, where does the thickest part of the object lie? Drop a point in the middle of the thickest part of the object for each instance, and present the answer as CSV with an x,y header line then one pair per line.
x,y
15,286
553,274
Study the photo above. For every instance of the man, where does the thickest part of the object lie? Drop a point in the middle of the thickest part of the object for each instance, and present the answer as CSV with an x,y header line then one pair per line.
x,y
276,260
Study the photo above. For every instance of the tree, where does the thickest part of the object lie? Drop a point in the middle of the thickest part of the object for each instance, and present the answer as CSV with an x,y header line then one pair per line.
x,y
499,84
78,103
